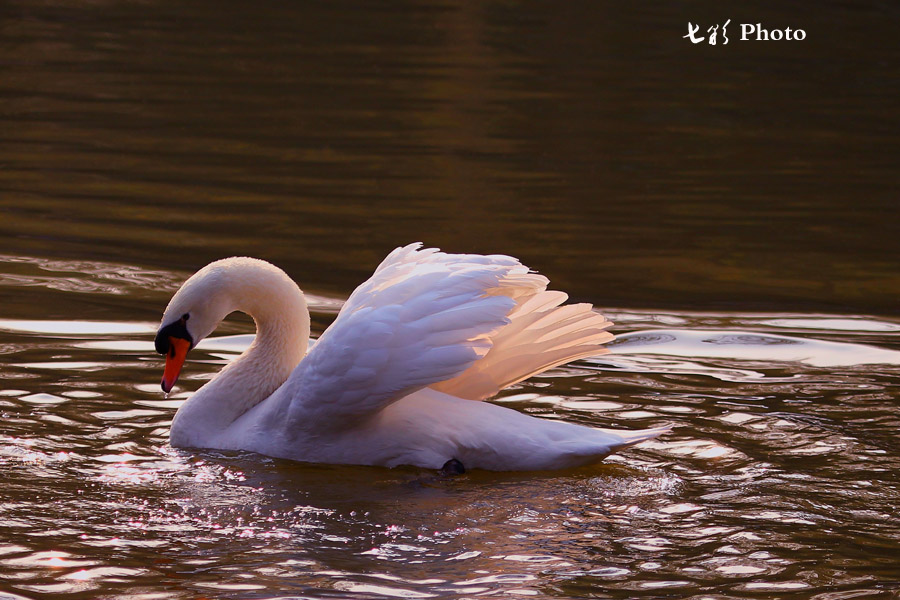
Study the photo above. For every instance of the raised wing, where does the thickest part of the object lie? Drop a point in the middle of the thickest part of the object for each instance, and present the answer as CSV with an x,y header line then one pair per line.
x,y
423,317
542,334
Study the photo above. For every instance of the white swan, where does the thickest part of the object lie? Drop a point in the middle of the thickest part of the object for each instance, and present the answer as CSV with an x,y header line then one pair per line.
x,y
397,377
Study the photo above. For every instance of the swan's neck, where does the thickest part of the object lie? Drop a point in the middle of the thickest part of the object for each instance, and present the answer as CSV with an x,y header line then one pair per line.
x,y
279,310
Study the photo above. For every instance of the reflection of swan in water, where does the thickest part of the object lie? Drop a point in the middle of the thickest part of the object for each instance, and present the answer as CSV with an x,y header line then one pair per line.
x,y
395,380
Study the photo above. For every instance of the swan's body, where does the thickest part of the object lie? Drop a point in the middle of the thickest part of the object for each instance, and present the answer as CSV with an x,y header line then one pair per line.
x,y
397,377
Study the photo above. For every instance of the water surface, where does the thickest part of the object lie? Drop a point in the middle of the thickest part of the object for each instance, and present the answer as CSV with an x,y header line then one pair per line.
x,y
780,475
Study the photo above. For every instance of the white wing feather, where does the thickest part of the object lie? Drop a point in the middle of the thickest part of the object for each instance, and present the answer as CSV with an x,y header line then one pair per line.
x,y
423,317
541,335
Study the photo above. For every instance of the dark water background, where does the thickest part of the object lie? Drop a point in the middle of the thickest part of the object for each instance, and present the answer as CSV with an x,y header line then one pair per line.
x,y
733,208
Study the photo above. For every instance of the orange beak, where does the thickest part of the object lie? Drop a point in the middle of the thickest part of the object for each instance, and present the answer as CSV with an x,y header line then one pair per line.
x,y
178,349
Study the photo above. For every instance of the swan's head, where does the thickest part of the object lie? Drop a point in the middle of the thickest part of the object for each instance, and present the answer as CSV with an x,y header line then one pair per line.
x,y
250,285
194,312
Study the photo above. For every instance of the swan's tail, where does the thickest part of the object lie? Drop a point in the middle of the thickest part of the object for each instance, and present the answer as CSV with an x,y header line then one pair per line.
x,y
600,443
630,438
541,334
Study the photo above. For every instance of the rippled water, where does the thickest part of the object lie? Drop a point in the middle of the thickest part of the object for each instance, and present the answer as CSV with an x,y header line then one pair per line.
x,y
781,474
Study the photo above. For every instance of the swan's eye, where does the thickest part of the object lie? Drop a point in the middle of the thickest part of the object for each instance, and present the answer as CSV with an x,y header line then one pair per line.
x,y
185,317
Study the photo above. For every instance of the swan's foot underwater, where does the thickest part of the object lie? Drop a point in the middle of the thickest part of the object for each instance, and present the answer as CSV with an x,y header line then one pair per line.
x,y
453,467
